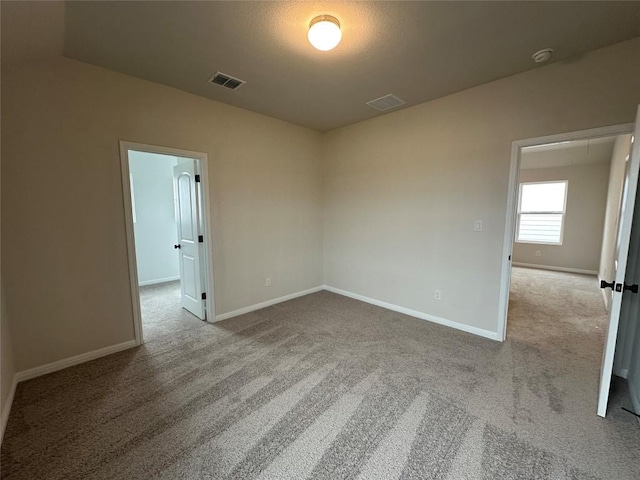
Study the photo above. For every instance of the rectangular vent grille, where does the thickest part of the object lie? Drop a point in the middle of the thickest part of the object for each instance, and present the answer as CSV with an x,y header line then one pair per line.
x,y
386,103
227,81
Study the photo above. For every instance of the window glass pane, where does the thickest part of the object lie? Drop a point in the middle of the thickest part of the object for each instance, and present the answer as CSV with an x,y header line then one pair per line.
x,y
542,197
540,227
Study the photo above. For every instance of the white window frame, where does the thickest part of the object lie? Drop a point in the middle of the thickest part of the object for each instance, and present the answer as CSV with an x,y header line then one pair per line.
x,y
563,212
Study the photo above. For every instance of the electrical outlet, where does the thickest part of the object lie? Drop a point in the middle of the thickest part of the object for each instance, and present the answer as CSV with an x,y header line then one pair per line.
x,y
437,294
538,253
477,226
267,281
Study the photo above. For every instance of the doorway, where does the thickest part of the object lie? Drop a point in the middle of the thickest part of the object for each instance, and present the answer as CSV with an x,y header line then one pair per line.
x,y
168,238
537,214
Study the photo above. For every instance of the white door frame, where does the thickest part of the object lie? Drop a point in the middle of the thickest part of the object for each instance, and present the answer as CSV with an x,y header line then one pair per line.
x,y
512,203
203,158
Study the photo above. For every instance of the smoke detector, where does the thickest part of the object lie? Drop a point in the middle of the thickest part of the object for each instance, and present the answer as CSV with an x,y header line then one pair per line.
x,y
543,55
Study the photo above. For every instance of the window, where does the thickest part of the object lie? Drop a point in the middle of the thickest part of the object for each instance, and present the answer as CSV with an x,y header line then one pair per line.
x,y
541,209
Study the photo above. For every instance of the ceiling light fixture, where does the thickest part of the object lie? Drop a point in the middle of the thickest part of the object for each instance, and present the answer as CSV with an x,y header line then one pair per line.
x,y
324,32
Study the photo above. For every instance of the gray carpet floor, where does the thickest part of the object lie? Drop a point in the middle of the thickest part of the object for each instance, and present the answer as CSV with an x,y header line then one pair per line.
x,y
327,387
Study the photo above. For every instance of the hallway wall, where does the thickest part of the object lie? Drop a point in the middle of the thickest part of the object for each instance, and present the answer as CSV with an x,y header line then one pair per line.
x,y
583,222
155,222
621,149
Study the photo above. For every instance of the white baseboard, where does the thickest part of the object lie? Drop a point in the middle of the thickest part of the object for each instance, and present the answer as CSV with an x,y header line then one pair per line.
x,y
416,314
158,280
268,303
554,268
86,357
379,303
71,361
54,367
635,401
6,410
622,373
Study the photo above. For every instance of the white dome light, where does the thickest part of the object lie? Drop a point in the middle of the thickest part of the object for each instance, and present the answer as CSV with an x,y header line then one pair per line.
x,y
324,32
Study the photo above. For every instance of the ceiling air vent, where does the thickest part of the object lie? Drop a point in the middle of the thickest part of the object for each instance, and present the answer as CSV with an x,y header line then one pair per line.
x,y
227,81
386,103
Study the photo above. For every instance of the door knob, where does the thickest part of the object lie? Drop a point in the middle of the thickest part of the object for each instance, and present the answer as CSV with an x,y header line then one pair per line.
x,y
631,288
604,284
177,246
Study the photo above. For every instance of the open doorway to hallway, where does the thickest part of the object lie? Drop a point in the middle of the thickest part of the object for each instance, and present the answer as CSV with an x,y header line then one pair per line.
x,y
558,311
161,311
568,207
572,215
167,227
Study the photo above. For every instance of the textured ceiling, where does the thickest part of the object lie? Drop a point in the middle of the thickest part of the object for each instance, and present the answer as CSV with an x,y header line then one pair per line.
x,y
31,30
416,50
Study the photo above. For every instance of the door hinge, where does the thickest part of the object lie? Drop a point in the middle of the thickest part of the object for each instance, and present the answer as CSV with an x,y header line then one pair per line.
x,y
204,296
604,284
197,178
200,238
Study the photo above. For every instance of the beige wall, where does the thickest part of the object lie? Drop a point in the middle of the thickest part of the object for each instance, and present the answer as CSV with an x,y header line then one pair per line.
x,y
64,251
7,368
6,357
621,149
402,191
583,223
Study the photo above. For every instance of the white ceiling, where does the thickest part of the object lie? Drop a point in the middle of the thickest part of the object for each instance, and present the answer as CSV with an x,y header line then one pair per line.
x,y
577,152
418,51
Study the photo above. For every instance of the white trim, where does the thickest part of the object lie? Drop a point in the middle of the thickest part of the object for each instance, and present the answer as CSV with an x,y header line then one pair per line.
x,y
509,229
624,247
131,243
203,159
389,306
554,268
630,308
6,410
210,303
413,313
102,352
72,361
158,280
604,295
268,303
519,212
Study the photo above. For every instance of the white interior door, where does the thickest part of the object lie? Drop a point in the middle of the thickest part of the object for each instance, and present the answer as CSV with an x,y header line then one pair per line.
x,y
617,284
187,208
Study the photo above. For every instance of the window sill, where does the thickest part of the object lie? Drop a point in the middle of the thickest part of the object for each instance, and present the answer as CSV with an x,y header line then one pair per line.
x,y
525,242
